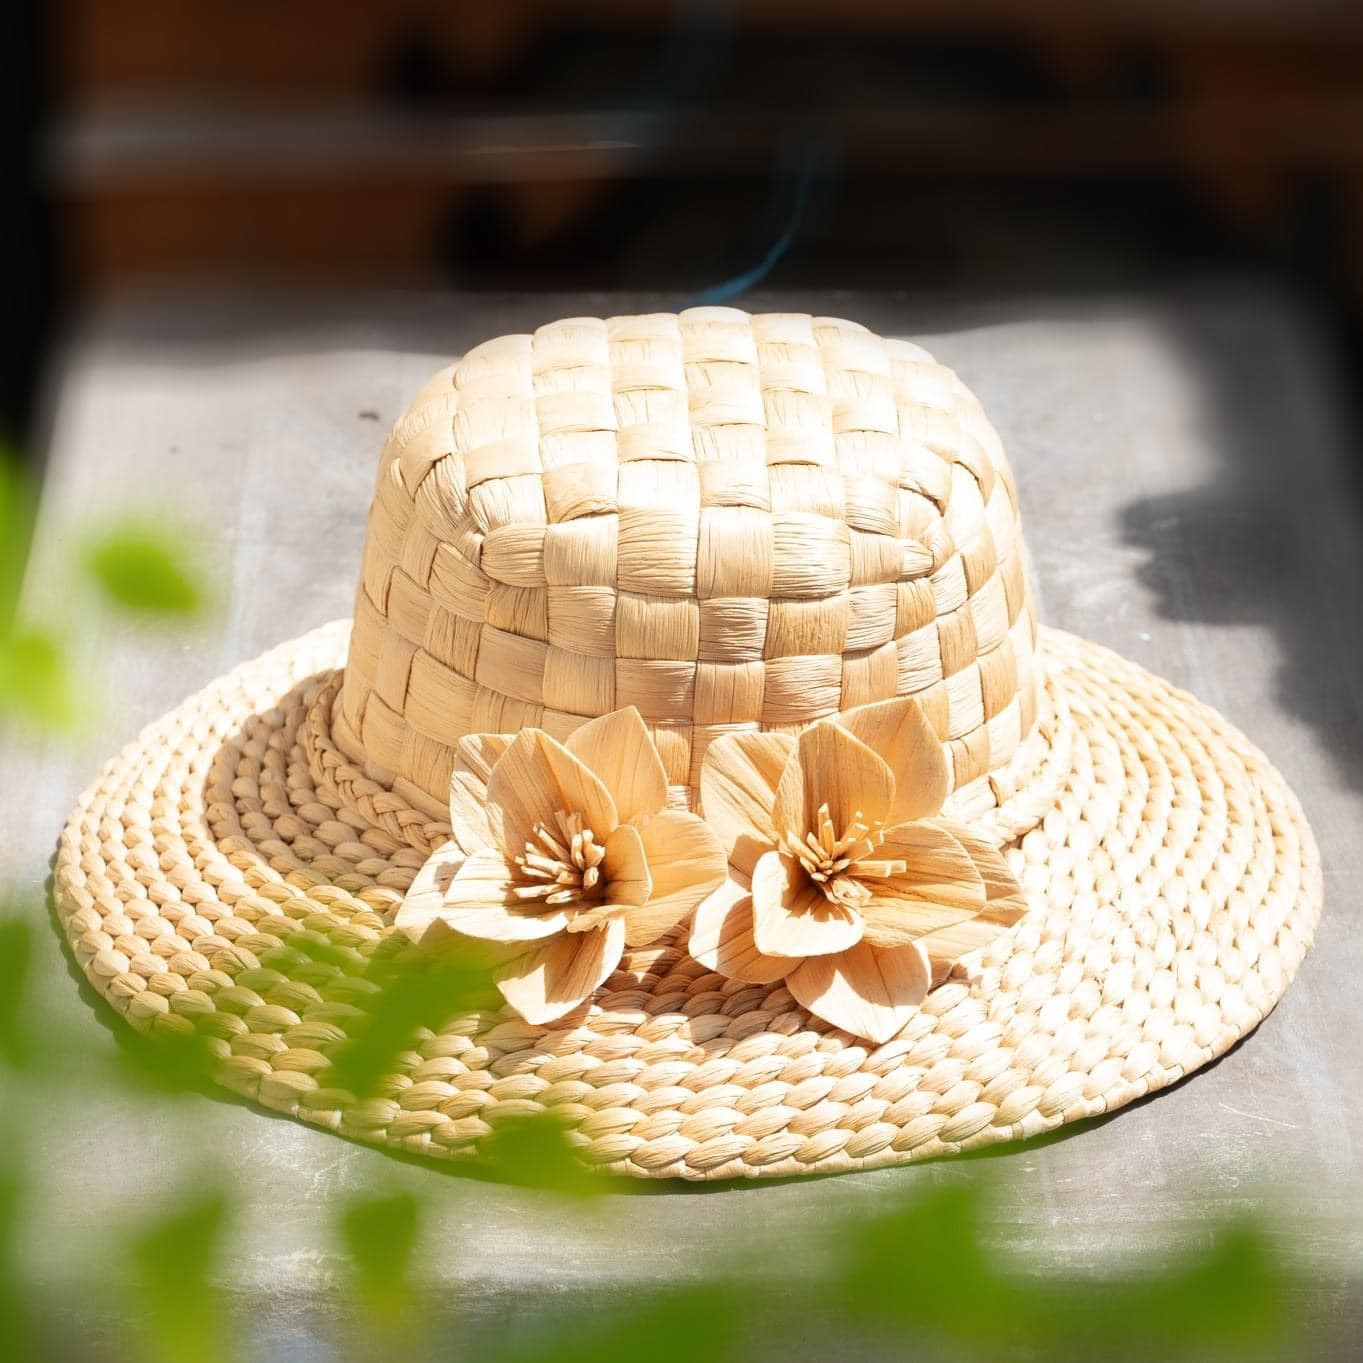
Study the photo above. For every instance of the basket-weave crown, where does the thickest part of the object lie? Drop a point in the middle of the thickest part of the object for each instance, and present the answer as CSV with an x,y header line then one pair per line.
x,y
727,521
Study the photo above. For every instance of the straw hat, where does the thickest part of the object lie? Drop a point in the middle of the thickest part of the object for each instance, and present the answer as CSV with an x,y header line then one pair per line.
x,y
695,672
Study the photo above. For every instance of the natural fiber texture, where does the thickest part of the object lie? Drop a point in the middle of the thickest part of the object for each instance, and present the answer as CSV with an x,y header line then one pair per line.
x,y
732,524
1173,889
729,522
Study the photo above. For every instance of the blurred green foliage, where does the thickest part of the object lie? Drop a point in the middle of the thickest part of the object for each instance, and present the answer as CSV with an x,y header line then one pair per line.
x,y
174,1285
168,1062
130,566
714,1320
16,959
35,686
16,1328
915,1281
33,682
141,569
536,1151
17,503
1226,1294
411,991
379,1236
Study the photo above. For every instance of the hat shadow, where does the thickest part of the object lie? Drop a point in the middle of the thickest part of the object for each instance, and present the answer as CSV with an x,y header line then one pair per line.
x,y
1275,538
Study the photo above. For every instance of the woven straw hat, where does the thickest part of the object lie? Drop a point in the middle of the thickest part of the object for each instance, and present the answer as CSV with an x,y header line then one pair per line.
x,y
682,554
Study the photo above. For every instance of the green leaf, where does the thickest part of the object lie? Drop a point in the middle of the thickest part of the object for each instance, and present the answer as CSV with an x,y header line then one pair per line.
x,y
168,1062
16,957
16,1316
380,1236
933,1242
143,570
34,683
413,992
1228,1299
533,1150
685,1323
16,528
180,1306
1235,1296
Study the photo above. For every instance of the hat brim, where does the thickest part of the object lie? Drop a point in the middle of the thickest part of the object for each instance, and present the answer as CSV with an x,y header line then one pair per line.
x,y
1174,888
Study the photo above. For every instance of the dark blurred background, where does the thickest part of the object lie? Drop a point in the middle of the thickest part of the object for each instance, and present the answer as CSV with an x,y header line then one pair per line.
x,y
965,145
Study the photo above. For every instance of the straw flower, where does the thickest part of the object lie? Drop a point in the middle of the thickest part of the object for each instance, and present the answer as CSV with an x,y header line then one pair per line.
x,y
842,882
564,853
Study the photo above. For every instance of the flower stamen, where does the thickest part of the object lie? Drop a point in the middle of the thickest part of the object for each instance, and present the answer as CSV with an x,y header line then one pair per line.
x,y
562,864
834,861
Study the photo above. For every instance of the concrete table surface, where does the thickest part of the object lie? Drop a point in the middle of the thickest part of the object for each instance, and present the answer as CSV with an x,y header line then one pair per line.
x,y
1183,466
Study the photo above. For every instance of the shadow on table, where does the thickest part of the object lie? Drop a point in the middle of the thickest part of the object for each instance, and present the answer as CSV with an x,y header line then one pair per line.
x,y
1277,539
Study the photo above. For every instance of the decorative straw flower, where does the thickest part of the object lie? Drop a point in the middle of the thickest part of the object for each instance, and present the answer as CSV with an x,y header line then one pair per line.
x,y
564,852
841,881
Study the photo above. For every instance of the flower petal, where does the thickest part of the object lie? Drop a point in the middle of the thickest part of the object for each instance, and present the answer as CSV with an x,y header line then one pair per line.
x,y
867,991
892,921
480,901
936,868
686,863
738,781
722,940
948,920
475,755
534,779
619,749
1006,903
440,940
831,768
1006,900
949,944
900,732
425,897
792,917
552,979
625,867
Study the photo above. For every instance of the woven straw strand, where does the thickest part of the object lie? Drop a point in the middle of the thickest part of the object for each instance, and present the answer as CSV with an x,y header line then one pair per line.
x,y
731,523
1173,881
727,521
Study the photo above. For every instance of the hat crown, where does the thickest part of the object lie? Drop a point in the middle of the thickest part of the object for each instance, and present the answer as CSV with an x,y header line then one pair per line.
x,y
728,521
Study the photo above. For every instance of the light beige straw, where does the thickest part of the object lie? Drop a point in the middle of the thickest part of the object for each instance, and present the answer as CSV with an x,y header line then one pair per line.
x,y
730,523
726,521
1174,885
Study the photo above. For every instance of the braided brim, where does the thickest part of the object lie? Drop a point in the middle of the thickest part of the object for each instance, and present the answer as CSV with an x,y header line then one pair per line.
x,y
1174,888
